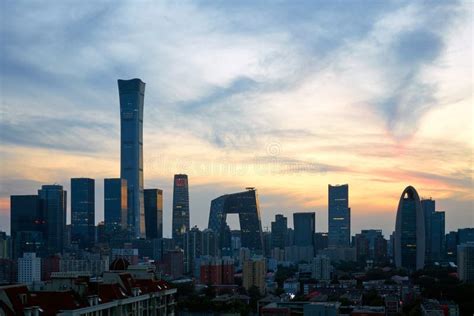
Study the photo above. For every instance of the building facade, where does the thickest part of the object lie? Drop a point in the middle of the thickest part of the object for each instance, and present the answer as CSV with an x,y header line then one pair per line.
x,y
180,223
466,262
305,225
54,203
115,204
279,231
153,213
410,232
245,204
339,216
253,274
29,268
83,211
132,94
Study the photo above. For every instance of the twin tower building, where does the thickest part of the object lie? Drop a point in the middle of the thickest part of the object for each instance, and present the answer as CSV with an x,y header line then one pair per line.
x,y
144,204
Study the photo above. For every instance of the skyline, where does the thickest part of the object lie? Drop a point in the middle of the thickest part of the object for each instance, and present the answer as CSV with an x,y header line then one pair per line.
x,y
228,100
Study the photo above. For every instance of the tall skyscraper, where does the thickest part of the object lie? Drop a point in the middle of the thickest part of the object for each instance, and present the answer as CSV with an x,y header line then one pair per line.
x,y
410,232
153,213
279,231
438,237
115,204
180,207
429,207
54,201
339,217
305,225
245,204
132,93
192,248
83,211
27,224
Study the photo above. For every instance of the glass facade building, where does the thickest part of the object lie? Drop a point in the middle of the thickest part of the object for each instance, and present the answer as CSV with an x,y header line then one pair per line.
x,y
132,93
279,231
245,204
180,208
115,204
410,232
339,216
54,202
304,225
153,213
83,211
27,224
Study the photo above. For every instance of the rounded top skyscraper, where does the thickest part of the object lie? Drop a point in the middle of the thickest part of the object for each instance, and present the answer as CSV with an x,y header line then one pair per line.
x,y
410,232
132,93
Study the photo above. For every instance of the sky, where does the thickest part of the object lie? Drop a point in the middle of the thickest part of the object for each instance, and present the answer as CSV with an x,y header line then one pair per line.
x,y
284,96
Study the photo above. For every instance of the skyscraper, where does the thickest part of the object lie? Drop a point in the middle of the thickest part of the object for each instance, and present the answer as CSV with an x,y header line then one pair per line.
x,y
279,231
304,224
410,232
437,236
180,208
115,204
466,262
429,207
247,206
27,224
83,211
54,201
339,217
132,93
153,213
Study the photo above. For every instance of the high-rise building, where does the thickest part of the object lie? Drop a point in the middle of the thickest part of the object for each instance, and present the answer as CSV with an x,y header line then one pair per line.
x,y
437,236
320,242
27,224
370,245
29,268
465,235
321,268
83,211
54,201
339,216
451,246
429,207
305,225
115,204
210,243
410,232
466,262
132,93
192,248
180,207
153,213
245,204
253,274
279,231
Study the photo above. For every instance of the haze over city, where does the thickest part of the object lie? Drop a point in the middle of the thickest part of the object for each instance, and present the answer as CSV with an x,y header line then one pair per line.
x,y
286,98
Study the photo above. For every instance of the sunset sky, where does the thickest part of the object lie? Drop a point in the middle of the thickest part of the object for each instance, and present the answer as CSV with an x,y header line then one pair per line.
x,y
285,97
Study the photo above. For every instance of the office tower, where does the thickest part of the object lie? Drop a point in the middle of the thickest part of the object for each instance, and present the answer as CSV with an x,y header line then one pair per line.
x,y
245,204
210,243
279,231
320,242
370,245
5,245
451,239
132,93
54,201
410,232
180,207
192,248
339,217
321,268
29,268
466,262
429,208
465,235
437,236
153,213
83,211
115,204
253,274
27,224
305,225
